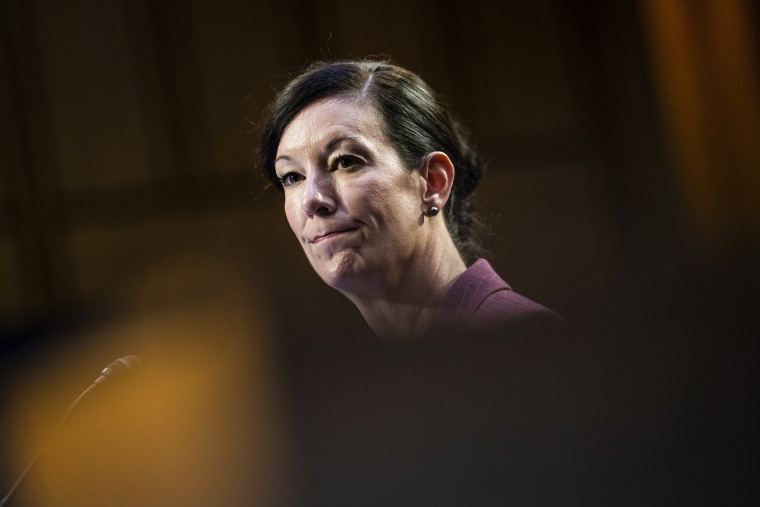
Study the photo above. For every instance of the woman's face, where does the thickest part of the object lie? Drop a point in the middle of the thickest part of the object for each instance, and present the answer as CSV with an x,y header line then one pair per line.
x,y
354,207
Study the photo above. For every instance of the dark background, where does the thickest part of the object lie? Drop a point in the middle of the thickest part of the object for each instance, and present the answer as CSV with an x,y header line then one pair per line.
x,y
623,148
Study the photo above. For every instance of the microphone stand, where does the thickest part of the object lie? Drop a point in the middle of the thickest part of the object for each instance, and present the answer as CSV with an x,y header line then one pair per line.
x,y
6,500
115,370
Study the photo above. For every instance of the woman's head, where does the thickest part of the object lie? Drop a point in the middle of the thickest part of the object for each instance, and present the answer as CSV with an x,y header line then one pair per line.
x,y
411,117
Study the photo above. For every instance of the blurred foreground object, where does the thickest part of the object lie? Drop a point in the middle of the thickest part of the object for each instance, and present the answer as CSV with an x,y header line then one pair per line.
x,y
199,426
116,372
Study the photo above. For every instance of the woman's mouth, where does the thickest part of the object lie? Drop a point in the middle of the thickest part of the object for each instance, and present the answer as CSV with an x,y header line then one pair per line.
x,y
330,235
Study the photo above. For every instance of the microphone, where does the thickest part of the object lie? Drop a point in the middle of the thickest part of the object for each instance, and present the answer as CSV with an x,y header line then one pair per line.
x,y
115,373
119,371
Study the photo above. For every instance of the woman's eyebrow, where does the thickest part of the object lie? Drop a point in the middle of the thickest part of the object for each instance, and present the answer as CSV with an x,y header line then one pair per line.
x,y
330,146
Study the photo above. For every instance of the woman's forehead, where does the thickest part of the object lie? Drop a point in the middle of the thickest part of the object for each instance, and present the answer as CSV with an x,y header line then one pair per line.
x,y
321,122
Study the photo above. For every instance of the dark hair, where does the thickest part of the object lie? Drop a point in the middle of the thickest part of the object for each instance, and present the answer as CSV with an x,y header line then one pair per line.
x,y
415,120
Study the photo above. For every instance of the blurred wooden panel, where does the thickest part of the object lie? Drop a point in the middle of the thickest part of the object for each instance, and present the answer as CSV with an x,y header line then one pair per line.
x,y
393,29
705,56
91,90
524,88
10,293
106,257
239,48
610,80
31,197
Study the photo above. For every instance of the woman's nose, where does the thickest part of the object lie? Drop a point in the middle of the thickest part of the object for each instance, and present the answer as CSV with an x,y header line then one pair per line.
x,y
318,197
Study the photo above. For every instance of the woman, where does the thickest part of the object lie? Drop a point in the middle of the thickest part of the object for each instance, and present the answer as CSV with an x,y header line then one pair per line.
x,y
378,180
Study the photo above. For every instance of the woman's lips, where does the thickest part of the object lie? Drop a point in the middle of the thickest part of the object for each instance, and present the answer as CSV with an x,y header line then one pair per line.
x,y
329,235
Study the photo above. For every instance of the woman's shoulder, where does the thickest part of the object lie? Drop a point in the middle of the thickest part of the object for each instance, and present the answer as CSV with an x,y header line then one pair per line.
x,y
508,303
481,299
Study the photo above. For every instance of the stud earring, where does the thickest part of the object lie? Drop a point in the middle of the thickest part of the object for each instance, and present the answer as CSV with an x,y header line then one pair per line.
x,y
433,211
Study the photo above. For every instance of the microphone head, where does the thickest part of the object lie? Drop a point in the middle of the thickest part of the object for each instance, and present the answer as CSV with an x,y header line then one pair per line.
x,y
119,370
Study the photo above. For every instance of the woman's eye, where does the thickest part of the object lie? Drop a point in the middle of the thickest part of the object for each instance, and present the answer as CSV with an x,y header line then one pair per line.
x,y
345,162
290,179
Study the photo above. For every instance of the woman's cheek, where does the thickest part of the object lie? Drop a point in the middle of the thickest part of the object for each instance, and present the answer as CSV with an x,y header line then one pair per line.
x,y
291,207
372,196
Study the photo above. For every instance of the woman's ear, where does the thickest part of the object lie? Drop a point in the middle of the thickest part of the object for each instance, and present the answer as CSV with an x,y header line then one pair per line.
x,y
438,174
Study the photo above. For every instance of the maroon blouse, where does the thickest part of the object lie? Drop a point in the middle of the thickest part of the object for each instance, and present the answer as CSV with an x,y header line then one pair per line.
x,y
481,300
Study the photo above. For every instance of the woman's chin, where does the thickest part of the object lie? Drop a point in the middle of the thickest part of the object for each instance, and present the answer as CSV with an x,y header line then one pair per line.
x,y
340,271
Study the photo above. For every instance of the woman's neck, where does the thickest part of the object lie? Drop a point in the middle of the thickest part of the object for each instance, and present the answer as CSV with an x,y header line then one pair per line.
x,y
403,312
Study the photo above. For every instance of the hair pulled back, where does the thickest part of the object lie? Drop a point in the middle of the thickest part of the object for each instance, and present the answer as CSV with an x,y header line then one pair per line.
x,y
414,119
